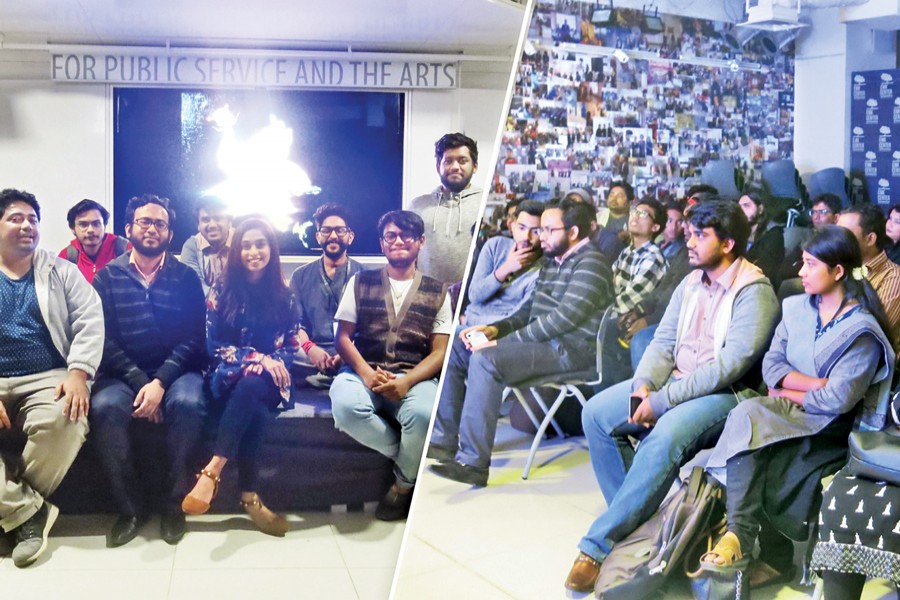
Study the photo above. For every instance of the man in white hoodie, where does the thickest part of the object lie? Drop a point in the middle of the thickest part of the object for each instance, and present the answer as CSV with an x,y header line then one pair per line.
x,y
451,210
51,335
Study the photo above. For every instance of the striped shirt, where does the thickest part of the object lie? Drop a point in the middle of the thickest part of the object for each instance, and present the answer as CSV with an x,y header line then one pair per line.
x,y
884,277
155,330
636,273
567,305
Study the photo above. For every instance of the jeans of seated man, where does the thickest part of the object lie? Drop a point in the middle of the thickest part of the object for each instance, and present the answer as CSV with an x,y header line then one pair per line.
x,y
473,406
634,483
356,411
184,412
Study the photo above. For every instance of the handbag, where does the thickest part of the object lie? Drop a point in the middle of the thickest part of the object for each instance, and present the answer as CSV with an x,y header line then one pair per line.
x,y
638,566
875,455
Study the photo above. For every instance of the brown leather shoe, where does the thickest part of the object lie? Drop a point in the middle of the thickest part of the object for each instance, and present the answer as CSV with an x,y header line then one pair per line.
x,y
583,575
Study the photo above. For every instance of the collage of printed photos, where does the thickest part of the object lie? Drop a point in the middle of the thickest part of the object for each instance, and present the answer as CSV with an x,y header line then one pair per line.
x,y
582,117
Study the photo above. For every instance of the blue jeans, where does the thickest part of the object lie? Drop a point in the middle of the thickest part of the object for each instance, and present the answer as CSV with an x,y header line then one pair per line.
x,y
639,343
634,483
356,408
184,410
470,402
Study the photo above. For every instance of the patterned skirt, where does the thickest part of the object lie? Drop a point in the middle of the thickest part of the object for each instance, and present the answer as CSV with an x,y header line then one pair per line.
x,y
859,528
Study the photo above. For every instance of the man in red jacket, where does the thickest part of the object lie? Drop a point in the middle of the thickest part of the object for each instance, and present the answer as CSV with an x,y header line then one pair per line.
x,y
92,247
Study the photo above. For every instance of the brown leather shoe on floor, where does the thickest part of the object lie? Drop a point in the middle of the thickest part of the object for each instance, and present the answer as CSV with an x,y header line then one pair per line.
x,y
583,575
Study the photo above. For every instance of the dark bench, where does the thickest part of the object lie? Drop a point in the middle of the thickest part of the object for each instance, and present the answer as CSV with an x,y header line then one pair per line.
x,y
305,464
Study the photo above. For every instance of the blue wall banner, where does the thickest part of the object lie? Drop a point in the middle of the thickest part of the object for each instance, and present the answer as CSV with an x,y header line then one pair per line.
x,y
875,134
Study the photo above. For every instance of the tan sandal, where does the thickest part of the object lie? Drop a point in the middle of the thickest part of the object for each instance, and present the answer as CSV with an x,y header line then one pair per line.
x,y
728,548
192,505
268,522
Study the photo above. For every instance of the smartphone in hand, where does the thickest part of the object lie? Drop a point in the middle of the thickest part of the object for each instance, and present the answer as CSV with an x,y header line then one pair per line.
x,y
634,402
477,339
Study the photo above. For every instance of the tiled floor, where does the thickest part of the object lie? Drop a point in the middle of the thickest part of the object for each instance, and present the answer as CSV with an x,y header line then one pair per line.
x,y
332,556
516,539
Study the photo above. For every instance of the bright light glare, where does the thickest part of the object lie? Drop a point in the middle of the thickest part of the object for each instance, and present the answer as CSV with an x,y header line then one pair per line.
x,y
259,175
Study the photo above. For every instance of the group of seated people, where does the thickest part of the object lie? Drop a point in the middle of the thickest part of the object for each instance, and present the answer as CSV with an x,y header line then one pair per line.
x,y
115,332
718,363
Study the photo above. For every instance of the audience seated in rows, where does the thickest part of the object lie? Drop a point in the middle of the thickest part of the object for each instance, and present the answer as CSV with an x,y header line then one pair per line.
x,y
52,338
553,333
765,248
715,329
394,324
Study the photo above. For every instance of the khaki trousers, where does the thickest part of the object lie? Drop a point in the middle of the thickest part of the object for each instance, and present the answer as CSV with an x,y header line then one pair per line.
x,y
53,443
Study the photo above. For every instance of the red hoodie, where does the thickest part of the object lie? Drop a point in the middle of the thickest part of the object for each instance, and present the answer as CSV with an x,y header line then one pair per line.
x,y
111,247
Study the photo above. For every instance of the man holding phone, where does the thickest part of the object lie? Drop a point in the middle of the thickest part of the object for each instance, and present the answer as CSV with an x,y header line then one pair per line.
x,y
717,326
553,333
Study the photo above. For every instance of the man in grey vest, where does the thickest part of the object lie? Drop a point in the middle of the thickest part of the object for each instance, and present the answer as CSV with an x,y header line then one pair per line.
x,y
394,325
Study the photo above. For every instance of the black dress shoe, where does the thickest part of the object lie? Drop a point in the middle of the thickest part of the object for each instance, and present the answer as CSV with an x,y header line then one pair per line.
x,y
124,530
395,505
457,471
441,453
172,527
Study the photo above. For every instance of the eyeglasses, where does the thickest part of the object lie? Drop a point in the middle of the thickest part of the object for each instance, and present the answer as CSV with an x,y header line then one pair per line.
x,y
639,213
391,236
819,211
160,225
550,230
340,231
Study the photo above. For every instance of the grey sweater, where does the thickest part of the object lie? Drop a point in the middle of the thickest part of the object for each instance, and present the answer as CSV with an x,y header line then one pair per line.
x,y
449,221
752,316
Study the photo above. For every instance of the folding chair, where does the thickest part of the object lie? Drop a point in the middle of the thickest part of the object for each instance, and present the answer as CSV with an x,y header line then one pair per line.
x,y
567,384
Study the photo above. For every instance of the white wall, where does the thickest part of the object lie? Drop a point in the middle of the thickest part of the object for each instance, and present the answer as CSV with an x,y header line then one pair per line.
x,y
55,142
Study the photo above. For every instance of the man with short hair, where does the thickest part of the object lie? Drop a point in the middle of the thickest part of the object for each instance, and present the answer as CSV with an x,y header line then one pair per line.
x,y
866,222
52,338
319,285
502,281
206,252
152,361
554,333
618,203
92,247
673,242
394,324
716,327
641,265
825,210
451,210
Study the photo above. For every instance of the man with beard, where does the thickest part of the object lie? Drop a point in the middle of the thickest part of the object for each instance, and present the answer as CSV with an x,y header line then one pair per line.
x,y
92,247
319,285
716,327
450,211
394,324
765,248
501,283
152,357
52,335
206,252
554,333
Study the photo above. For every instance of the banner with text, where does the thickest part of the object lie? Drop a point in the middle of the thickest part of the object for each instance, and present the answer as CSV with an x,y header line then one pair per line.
x,y
268,71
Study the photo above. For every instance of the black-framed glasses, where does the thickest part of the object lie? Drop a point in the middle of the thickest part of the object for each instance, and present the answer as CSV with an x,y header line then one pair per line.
x,y
340,231
160,225
639,213
390,237
550,230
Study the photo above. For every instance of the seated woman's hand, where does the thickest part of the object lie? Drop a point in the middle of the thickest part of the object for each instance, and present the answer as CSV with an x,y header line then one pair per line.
x,y
277,370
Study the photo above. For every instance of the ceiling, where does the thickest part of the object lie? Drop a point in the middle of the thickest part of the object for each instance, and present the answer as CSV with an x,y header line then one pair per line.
x,y
486,27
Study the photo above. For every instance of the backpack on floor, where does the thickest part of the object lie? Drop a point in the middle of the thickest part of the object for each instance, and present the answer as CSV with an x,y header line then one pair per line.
x,y
676,535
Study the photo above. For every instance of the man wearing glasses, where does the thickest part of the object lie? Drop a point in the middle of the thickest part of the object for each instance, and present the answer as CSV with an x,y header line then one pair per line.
x,y
319,285
206,252
394,324
152,357
554,333
92,247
